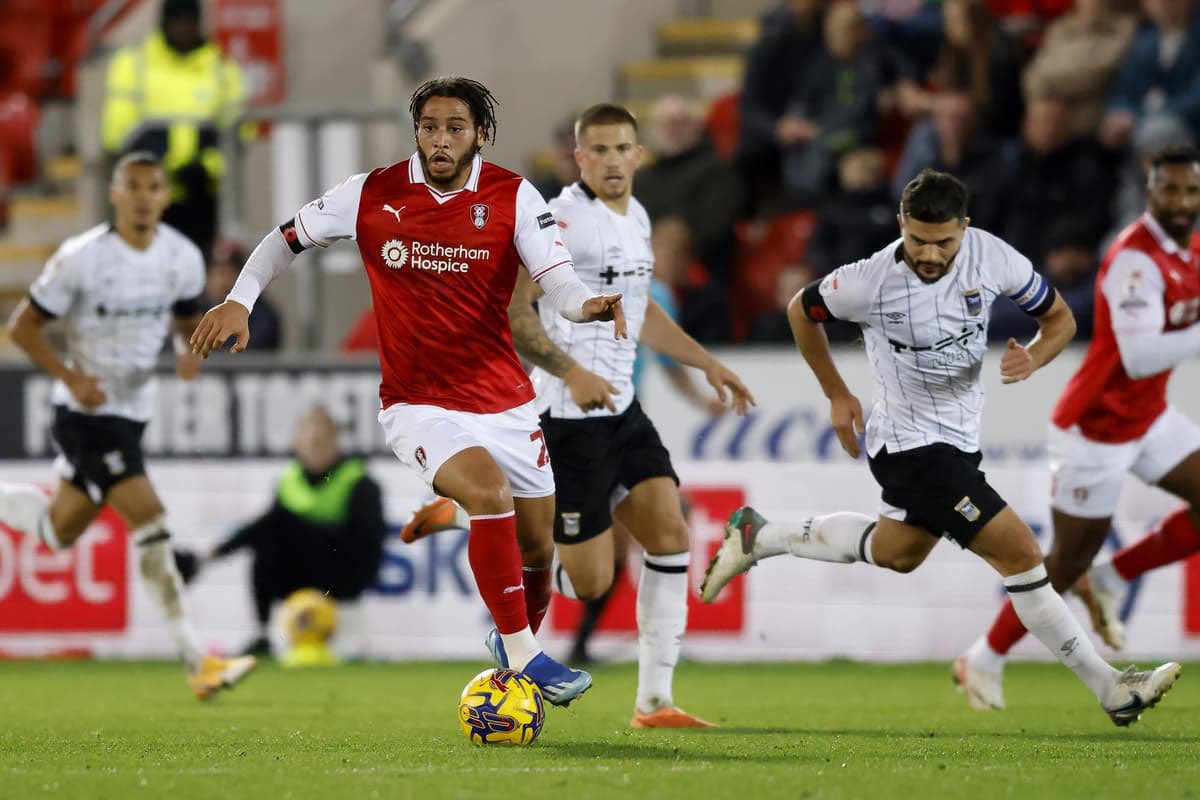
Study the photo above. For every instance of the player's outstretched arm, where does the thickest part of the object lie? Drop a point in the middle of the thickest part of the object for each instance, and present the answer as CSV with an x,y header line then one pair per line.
x,y
25,328
1056,327
663,335
845,410
567,295
588,390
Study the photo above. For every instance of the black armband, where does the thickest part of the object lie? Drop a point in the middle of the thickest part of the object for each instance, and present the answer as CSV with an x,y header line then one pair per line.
x,y
814,304
291,236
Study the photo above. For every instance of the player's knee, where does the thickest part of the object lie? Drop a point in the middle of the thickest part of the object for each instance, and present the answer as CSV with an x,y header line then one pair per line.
x,y
671,537
537,554
593,585
487,498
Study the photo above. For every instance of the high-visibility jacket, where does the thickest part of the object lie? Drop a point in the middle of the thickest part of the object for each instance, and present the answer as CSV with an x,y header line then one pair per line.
x,y
173,103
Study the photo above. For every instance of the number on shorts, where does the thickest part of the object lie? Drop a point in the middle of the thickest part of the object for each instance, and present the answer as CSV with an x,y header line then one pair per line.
x,y
543,456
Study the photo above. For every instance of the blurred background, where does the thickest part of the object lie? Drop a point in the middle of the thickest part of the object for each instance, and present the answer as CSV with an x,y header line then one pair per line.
x,y
780,135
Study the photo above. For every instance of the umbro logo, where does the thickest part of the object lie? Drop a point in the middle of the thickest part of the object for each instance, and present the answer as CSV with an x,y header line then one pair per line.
x,y
393,211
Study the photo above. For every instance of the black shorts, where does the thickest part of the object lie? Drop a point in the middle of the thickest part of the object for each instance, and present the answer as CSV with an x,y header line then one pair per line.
x,y
97,452
591,458
940,488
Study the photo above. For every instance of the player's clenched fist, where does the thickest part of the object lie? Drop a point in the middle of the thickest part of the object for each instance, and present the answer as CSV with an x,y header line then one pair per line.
x,y
219,324
606,307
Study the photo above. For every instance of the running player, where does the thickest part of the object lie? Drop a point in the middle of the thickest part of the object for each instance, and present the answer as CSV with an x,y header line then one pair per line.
x,y
443,236
1113,418
118,288
923,304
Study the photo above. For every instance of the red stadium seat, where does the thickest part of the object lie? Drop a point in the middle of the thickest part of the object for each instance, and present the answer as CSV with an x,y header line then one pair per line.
x,y
18,127
724,124
764,251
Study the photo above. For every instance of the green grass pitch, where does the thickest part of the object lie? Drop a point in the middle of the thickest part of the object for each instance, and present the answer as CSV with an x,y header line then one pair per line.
x,y
132,730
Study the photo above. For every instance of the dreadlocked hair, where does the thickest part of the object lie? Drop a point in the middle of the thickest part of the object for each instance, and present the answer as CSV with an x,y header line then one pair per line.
x,y
476,96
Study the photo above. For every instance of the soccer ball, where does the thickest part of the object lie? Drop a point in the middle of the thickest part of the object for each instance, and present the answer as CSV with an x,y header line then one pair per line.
x,y
500,706
309,616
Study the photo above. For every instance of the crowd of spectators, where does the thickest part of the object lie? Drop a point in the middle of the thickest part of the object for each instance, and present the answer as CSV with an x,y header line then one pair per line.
x,y
1046,110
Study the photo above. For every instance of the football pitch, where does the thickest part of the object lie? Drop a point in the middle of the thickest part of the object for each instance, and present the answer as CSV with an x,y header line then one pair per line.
x,y
128,730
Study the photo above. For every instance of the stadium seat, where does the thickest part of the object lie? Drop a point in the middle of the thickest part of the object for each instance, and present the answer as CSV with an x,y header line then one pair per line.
x,y
724,124
765,249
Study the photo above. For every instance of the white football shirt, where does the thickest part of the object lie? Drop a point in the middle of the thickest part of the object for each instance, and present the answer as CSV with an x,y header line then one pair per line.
x,y
611,253
118,304
926,341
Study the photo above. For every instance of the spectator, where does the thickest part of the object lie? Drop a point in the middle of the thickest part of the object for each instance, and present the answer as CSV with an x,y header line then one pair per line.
x,y
173,95
836,108
859,219
266,327
1071,265
773,327
563,169
953,142
1157,86
1078,60
775,69
324,530
704,309
975,57
689,180
1054,176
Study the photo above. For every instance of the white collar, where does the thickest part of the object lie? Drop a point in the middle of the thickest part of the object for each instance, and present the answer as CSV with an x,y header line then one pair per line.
x,y
1165,242
416,175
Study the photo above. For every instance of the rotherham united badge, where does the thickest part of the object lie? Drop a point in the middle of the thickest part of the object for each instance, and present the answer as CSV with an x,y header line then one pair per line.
x,y
479,214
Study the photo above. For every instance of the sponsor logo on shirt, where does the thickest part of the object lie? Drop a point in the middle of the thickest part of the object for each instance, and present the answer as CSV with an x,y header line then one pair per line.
x,y
431,256
395,212
545,221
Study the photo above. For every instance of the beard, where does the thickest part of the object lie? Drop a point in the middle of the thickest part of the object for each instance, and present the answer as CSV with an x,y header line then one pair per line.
x,y
1178,229
460,166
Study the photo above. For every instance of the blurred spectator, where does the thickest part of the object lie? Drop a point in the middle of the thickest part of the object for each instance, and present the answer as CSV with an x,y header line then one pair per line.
x,y
1157,86
173,94
775,70
773,327
978,58
911,27
859,219
704,308
836,108
266,327
563,169
325,528
1078,60
1070,263
689,180
1054,175
953,142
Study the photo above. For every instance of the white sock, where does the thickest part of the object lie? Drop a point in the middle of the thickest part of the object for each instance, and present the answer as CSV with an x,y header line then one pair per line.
x,y
662,618
982,657
562,580
1044,614
844,537
1106,578
156,563
520,647
26,508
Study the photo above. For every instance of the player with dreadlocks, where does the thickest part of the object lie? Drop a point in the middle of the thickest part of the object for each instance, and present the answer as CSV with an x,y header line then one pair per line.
x,y
442,236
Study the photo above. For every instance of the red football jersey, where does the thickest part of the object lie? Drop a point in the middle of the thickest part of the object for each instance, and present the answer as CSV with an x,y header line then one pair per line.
x,y
442,267
1146,283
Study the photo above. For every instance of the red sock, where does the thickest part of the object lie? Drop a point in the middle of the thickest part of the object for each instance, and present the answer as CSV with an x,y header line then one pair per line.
x,y
496,563
1007,629
1174,539
537,595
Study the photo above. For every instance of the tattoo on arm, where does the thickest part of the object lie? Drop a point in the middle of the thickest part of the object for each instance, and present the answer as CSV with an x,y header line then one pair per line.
x,y
533,343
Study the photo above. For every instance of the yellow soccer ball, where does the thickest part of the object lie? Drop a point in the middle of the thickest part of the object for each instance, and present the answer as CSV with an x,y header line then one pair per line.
x,y
309,616
500,706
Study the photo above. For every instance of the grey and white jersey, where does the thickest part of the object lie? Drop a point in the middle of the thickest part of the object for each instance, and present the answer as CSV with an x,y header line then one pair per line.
x,y
611,253
926,341
117,303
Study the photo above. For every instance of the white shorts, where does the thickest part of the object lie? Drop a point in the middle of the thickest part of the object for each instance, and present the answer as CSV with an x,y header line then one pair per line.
x,y
425,437
1086,476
